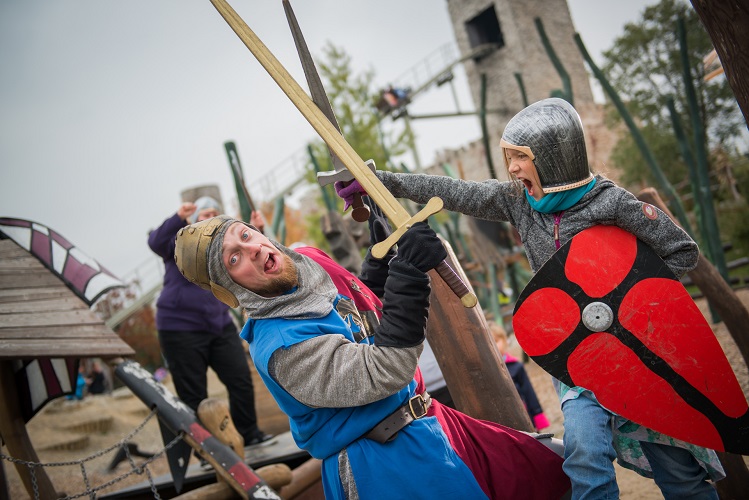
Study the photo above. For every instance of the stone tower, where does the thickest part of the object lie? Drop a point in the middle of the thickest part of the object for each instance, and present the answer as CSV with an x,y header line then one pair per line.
x,y
509,26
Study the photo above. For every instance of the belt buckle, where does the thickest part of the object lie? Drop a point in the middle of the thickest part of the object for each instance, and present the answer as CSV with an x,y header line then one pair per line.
x,y
421,405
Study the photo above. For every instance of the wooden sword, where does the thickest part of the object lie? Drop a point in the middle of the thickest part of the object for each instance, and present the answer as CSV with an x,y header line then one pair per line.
x,y
343,150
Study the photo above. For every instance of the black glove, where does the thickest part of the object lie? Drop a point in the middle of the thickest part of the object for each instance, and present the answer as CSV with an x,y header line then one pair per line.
x,y
420,247
374,272
406,291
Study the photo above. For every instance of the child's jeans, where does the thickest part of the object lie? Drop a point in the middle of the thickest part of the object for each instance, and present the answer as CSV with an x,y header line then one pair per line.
x,y
589,455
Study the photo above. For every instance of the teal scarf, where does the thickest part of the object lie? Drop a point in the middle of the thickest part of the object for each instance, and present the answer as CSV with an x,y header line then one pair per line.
x,y
556,202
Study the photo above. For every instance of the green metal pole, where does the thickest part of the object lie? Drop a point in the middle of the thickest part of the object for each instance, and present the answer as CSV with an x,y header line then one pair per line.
x,y
566,82
686,153
491,278
647,154
484,128
521,85
245,203
705,199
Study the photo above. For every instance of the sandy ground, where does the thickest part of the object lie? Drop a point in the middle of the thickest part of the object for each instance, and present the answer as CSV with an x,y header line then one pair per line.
x,y
67,432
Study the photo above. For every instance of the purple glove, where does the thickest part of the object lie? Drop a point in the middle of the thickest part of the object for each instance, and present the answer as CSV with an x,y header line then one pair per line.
x,y
347,192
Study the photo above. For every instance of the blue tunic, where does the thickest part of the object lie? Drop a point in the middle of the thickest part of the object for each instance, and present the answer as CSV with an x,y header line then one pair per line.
x,y
418,463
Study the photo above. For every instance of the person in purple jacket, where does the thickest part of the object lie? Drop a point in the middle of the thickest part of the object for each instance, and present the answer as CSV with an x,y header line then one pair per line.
x,y
196,330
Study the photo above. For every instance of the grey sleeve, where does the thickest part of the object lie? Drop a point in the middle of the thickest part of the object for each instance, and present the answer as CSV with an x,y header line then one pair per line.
x,y
331,372
663,235
490,200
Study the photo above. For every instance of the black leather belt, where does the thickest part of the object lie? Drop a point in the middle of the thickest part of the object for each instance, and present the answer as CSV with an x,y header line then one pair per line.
x,y
388,428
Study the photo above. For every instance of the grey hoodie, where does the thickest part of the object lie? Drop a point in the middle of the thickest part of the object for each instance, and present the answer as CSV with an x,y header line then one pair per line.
x,y
606,203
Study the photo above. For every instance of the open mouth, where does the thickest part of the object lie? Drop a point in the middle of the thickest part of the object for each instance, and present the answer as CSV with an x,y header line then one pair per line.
x,y
270,264
528,185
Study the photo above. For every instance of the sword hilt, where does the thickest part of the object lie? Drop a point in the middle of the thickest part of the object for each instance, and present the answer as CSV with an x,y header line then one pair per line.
x,y
360,211
454,281
443,269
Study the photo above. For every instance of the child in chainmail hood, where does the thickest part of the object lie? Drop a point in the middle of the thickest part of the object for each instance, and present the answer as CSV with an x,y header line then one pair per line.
x,y
553,197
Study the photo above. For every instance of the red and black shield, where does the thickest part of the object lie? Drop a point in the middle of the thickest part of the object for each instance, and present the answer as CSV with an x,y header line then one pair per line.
x,y
607,314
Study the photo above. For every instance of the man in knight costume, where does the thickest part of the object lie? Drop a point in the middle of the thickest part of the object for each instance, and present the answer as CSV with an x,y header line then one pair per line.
x,y
350,395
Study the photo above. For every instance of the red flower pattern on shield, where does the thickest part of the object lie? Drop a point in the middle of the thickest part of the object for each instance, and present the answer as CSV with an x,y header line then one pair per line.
x,y
656,311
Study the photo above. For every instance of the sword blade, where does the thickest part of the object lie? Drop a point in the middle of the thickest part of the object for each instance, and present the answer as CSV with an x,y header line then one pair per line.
x,y
316,88
335,141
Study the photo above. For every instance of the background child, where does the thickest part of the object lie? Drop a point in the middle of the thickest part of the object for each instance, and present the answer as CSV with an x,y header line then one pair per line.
x,y
520,377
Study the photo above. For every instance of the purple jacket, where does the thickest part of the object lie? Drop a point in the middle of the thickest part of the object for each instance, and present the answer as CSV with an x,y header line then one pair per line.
x,y
183,306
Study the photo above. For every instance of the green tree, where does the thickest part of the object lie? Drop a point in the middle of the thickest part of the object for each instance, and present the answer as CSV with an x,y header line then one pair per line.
x,y
644,66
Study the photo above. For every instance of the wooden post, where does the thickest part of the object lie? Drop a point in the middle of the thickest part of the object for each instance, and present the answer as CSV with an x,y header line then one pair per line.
x,y
726,24
476,376
13,431
306,481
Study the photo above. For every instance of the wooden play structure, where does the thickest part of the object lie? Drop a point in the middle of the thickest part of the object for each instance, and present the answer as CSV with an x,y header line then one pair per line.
x,y
46,288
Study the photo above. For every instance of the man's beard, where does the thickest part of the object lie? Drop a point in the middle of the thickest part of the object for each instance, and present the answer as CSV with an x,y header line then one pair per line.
x,y
284,282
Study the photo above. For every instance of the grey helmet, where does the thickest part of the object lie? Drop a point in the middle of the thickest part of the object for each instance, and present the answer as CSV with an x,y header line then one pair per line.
x,y
551,133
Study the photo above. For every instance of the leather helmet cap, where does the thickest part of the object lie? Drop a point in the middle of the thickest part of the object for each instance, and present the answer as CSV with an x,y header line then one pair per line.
x,y
553,131
191,255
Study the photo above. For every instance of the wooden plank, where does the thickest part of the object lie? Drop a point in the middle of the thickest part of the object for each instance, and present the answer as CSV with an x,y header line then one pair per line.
x,y
41,317
57,333
43,348
21,261
26,271
49,304
33,294
26,280
62,318
9,249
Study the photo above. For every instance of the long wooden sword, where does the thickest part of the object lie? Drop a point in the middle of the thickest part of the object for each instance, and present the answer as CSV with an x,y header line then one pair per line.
x,y
343,150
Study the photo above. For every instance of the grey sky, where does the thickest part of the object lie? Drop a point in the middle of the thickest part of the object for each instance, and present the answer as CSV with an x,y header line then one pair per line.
x,y
108,109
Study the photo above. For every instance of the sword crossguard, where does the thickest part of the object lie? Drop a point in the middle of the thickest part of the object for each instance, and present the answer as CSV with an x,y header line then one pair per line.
x,y
360,212
433,206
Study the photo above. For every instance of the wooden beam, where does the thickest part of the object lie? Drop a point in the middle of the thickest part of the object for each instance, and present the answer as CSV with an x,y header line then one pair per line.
x,y
13,431
469,359
727,23
67,348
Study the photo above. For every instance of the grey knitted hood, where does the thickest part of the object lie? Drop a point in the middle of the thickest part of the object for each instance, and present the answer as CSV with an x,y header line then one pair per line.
x,y
312,298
